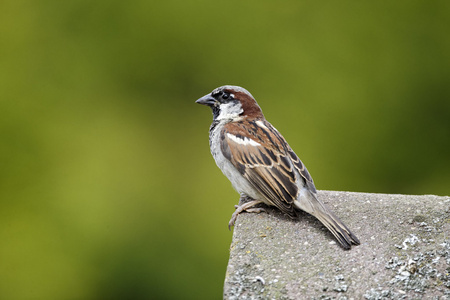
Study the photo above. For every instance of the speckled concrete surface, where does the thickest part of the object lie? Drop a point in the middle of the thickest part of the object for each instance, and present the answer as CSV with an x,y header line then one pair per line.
x,y
404,251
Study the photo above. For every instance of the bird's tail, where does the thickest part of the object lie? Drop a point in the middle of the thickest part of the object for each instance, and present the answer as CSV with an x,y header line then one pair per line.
x,y
309,203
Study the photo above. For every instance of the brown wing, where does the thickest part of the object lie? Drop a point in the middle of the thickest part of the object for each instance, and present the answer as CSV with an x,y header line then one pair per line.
x,y
302,170
264,158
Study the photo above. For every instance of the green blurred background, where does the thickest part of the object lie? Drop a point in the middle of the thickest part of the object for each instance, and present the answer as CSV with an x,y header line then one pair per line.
x,y
107,186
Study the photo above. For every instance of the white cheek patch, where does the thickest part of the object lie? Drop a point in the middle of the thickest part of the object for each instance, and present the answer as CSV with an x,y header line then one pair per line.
x,y
243,140
229,111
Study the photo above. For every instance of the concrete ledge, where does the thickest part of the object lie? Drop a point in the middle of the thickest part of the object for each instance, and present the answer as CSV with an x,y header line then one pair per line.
x,y
404,251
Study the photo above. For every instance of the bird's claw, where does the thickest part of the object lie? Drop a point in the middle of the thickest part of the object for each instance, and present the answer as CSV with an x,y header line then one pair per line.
x,y
232,220
256,210
245,207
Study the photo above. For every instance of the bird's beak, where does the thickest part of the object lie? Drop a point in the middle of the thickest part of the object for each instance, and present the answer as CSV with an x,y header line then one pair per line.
x,y
206,100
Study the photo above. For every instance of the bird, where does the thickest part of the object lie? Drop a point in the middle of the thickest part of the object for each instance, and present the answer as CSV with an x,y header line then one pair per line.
x,y
260,164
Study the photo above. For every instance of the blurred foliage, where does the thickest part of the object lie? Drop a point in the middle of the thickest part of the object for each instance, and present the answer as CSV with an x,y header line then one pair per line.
x,y
107,187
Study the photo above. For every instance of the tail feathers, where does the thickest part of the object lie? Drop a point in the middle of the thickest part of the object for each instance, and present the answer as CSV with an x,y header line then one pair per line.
x,y
341,232
309,203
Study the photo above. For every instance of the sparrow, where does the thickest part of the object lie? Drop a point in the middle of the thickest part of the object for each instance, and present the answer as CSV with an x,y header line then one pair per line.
x,y
260,164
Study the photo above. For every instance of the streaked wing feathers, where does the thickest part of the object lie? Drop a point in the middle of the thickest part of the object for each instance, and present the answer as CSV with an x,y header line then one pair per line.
x,y
264,158
302,170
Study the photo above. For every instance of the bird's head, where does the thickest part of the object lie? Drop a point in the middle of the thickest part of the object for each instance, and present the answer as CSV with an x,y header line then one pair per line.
x,y
231,103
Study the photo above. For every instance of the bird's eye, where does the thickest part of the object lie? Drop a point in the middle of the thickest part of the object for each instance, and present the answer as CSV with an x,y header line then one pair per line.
x,y
225,95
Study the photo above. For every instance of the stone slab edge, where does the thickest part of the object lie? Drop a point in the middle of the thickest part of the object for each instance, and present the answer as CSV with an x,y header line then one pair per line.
x,y
404,251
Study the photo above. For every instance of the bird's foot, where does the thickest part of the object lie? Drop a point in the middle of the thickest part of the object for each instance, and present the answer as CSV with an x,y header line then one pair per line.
x,y
248,206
